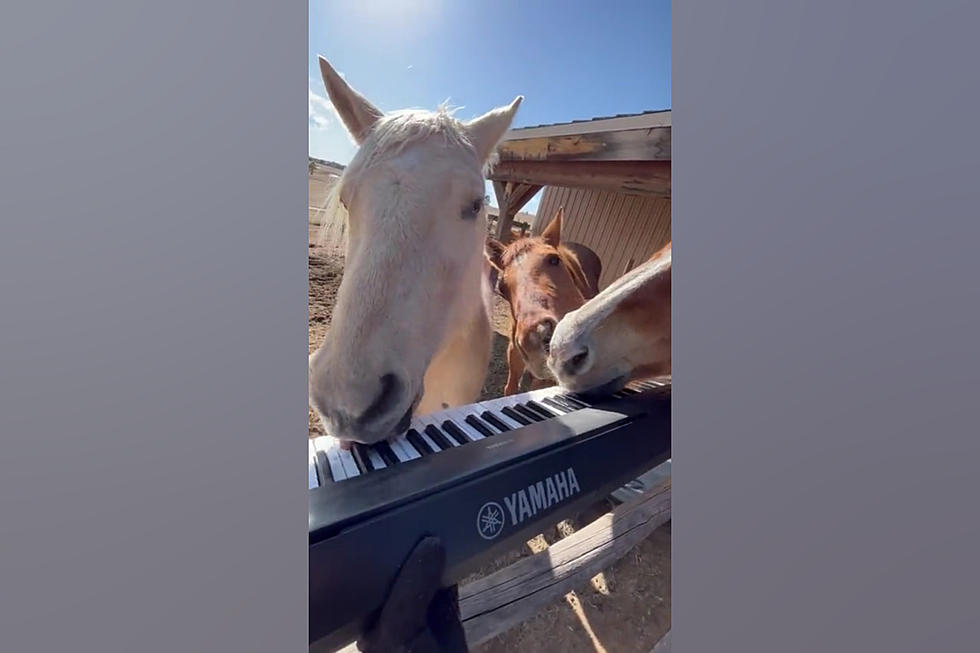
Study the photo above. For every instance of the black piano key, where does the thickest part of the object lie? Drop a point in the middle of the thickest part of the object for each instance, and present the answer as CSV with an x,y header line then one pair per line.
x,y
575,401
560,401
323,468
478,424
494,421
540,410
418,442
360,453
520,419
384,450
455,432
557,405
438,437
530,414
630,391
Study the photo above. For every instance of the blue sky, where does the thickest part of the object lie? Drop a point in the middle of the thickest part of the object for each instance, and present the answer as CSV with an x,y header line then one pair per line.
x,y
571,60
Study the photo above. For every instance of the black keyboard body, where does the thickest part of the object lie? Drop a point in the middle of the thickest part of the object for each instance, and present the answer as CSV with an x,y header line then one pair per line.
x,y
480,498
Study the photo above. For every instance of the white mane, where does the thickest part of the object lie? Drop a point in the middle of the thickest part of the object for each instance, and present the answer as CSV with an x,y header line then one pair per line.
x,y
387,138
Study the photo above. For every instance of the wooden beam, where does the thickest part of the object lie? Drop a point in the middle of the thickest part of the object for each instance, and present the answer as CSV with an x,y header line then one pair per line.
x,y
504,214
632,177
523,195
651,144
495,603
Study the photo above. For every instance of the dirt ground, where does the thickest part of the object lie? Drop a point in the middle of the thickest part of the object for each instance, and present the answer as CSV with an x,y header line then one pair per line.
x,y
625,609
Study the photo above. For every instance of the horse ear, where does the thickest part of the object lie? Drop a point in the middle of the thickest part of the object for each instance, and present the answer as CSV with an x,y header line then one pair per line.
x,y
552,233
487,130
358,114
494,253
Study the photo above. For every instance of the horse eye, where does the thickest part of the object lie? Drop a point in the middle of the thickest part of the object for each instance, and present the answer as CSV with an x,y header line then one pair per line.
x,y
473,209
553,259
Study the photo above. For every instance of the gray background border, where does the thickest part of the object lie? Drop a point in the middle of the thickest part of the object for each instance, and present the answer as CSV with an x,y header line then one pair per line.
x,y
826,318
153,321
153,327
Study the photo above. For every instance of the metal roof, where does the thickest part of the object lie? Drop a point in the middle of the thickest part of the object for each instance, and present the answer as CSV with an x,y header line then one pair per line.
x,y
642,120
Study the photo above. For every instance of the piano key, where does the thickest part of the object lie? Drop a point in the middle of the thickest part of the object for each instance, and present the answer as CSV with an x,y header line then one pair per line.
x,y
480,426
457,416
455,432
347,460
384,450
574,401
530,414
419,442
403,449
541,410
491,419
323,469
377,462
428,439
494,407
433,432
330,448
554,401
509,412
314,482
359,451
472,433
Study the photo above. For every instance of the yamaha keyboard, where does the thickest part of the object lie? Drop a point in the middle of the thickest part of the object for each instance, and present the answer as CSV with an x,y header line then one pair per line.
x,y
482,477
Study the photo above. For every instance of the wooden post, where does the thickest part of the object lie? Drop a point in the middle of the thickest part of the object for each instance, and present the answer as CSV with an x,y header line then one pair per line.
x,y
511,197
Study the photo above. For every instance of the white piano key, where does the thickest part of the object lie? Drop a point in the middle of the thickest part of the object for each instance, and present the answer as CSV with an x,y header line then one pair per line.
x,y
347,459
406,447
398,448
330,447
376,461
312,461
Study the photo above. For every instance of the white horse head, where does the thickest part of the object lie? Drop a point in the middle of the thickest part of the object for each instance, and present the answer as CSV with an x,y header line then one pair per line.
x,y
409,319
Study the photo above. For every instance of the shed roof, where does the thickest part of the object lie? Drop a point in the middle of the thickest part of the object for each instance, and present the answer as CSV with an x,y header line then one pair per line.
x,y
619,122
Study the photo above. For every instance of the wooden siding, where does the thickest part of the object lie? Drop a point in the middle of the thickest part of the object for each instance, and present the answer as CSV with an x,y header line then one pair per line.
x,y
321,181
624,230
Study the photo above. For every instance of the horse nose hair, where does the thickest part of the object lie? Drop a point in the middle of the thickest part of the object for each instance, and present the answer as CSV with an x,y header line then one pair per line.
x,y
391,390
577,363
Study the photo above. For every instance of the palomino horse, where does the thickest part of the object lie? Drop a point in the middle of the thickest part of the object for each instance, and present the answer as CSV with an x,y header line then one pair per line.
x,y
542,279
622,333
410,329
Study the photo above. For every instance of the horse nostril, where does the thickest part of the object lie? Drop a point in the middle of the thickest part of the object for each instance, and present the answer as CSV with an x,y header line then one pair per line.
x,y
575,364
391,387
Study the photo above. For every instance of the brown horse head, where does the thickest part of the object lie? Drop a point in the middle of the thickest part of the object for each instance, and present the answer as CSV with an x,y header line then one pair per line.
x,y
542,279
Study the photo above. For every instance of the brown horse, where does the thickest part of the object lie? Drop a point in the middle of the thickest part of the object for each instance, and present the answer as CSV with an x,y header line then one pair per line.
x,y
542,279
621,334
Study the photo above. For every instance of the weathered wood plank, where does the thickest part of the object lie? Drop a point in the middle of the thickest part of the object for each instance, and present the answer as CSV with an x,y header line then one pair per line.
x,y
496,603
632,177
651,144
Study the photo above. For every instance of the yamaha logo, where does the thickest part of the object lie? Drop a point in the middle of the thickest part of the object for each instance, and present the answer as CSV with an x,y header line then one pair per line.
x,y
490,520
526,502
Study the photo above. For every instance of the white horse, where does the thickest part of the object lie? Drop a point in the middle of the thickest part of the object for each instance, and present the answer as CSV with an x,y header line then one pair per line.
x,y
622,333
411,329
